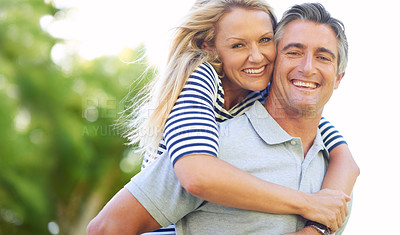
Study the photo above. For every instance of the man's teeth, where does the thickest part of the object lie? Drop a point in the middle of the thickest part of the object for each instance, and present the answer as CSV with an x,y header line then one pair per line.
x,y
305,84
254,71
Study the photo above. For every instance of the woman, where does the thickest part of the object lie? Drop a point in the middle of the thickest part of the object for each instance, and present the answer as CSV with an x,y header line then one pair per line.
x,y
241,50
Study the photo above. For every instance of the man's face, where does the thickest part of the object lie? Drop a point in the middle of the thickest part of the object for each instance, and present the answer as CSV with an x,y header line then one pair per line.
x,y
305,72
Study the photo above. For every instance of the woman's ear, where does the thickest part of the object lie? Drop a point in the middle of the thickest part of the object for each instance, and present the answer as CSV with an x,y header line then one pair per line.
x,y
206,47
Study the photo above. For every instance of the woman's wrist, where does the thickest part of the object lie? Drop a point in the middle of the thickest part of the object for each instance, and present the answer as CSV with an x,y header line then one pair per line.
x,y
305,204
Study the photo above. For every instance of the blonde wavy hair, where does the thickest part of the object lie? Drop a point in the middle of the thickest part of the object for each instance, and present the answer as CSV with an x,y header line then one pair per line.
x,y
146,117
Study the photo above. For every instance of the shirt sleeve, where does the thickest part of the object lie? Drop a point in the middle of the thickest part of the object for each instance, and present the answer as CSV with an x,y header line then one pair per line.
x,y
331,137
191,127
158,190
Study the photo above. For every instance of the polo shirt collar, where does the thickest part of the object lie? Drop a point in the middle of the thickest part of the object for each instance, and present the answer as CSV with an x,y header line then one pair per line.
x,y
272,133
319,143
265,126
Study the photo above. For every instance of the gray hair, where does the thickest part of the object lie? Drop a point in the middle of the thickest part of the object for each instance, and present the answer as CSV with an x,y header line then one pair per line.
x,y
316,12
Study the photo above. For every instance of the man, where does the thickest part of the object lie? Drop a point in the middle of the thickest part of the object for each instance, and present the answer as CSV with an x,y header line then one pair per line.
x,y
311,58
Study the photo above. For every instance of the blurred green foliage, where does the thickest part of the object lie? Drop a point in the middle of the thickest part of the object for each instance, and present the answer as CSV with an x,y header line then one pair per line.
x,y
59,155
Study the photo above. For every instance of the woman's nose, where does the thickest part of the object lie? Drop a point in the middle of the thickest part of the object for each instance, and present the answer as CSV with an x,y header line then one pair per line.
x,y
255,55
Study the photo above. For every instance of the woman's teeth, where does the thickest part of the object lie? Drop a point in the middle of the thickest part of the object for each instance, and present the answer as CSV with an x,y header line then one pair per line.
x,y
254,71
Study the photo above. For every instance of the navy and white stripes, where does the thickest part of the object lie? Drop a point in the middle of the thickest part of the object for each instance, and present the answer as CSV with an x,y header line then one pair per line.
x,y
330,135
191,127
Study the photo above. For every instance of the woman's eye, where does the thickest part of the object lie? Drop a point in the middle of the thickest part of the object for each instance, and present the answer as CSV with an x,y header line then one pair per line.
x,y
238,45
266,39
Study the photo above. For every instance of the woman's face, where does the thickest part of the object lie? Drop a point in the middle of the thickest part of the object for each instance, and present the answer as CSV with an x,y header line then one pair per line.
x,y
244,43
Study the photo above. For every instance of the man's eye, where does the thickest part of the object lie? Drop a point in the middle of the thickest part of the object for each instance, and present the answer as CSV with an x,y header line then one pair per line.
x,y
293,53
324,58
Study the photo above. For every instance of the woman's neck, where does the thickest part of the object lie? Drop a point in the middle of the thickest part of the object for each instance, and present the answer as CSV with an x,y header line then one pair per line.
x,y
233,94
233,97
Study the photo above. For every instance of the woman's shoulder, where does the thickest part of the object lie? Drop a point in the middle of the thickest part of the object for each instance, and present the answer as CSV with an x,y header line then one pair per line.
x,y
204,76
207,70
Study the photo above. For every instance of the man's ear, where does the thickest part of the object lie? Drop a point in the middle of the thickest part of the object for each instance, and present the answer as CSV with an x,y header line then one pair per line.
x,y
338,80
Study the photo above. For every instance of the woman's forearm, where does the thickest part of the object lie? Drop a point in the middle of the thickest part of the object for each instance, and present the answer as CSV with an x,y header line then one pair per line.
x,y
217,181
342,171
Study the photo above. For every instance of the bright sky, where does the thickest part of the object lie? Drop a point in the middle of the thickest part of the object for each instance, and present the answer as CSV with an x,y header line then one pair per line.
x,y
365,108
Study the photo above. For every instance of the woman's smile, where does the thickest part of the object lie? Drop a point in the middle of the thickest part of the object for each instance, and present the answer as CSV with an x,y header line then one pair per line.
x,y
258,71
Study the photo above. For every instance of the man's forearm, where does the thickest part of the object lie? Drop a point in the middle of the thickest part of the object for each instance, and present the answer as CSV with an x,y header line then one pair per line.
x,y
306,231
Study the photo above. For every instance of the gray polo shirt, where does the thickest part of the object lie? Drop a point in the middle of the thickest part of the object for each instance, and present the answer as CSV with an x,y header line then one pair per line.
x,y
255,143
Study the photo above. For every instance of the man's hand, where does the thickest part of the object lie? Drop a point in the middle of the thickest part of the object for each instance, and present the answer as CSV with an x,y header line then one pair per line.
x,y
305,231
328,207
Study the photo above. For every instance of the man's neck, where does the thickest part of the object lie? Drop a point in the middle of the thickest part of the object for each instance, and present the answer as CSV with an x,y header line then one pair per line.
x,y
294,122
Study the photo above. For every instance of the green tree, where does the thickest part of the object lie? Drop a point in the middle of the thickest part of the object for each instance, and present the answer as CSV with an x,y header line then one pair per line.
x,y
59,155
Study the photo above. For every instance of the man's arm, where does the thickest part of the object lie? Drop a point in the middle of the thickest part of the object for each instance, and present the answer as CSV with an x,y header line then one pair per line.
x,y
152,198
306,231
123,214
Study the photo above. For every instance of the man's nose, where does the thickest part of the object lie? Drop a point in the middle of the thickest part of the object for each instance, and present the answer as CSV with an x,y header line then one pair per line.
x,y
307,64
255,55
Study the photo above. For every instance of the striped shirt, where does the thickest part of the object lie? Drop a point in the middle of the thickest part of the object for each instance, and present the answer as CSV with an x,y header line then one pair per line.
x,y
191,127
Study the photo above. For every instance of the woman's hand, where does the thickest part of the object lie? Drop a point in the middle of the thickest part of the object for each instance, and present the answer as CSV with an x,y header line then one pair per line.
x,y
328,207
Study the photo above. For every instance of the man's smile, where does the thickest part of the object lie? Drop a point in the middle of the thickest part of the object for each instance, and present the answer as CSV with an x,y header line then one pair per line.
x,y
304,84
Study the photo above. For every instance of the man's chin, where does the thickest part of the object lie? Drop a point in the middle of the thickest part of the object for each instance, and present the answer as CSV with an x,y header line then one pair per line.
x,y
308,110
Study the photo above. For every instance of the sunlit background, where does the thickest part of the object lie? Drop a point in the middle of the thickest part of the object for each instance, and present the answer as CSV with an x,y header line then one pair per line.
x,y
64,77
